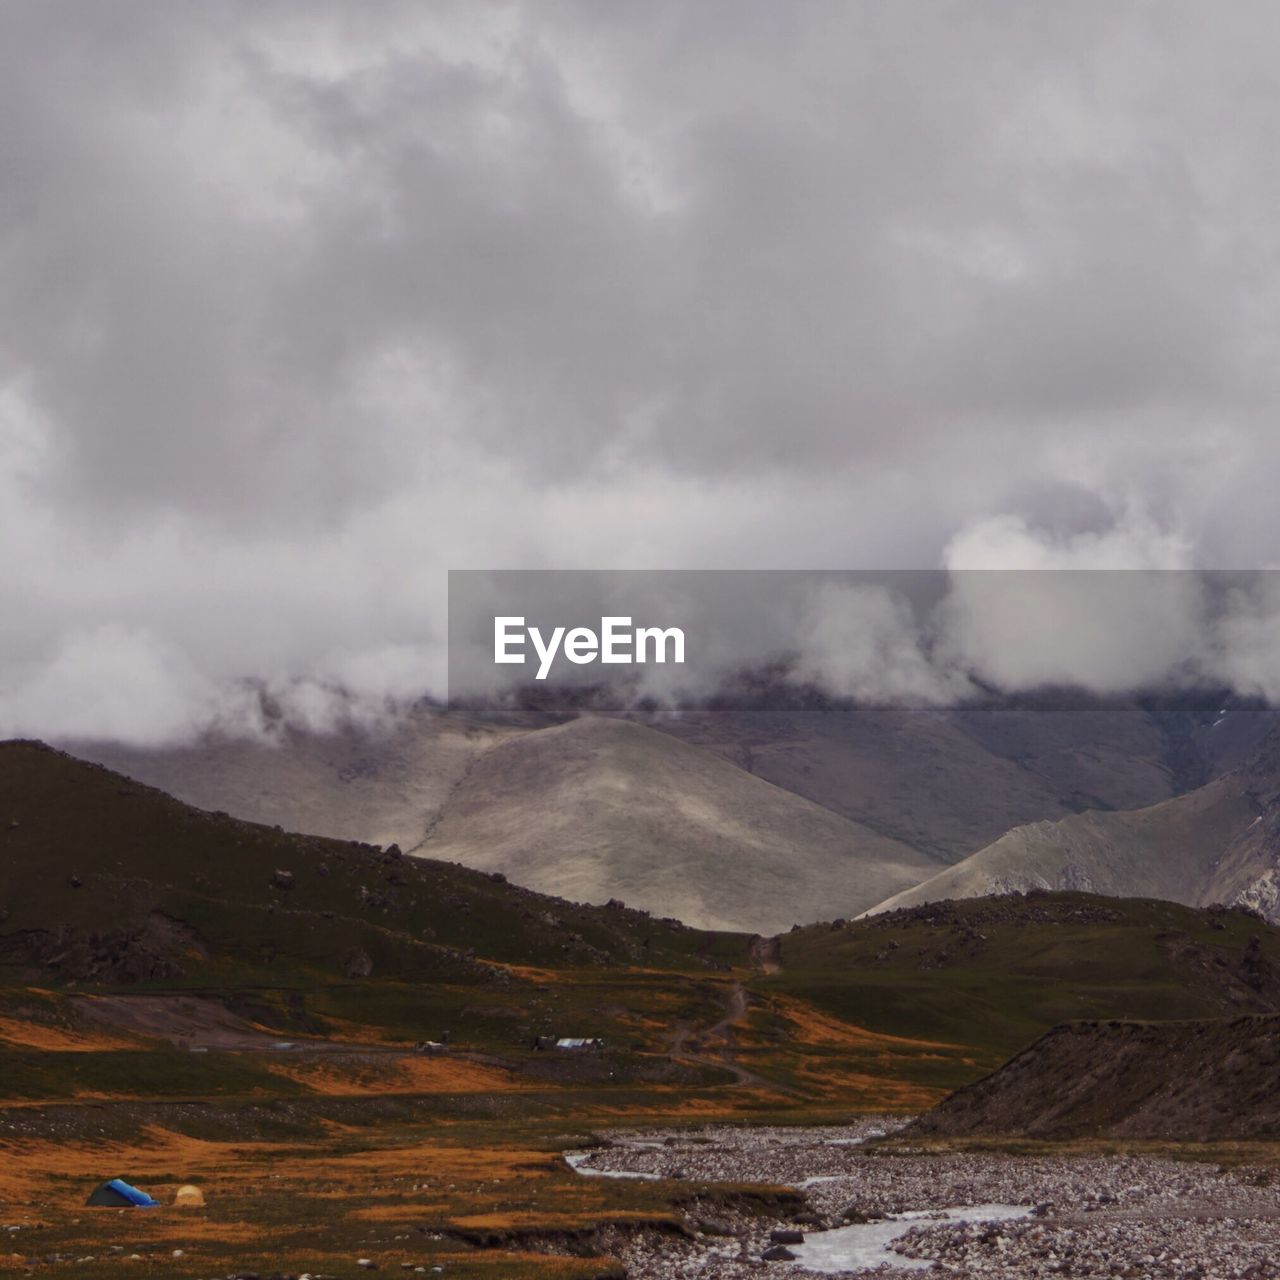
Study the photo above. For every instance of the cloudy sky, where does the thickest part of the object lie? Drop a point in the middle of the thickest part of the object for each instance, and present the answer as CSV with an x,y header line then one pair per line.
x,y
302,304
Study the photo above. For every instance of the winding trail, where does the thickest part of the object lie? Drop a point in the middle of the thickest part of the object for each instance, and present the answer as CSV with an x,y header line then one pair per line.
x,y
712,1046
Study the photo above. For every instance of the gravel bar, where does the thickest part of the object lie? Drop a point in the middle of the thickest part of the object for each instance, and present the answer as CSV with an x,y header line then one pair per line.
x,y
1070,1215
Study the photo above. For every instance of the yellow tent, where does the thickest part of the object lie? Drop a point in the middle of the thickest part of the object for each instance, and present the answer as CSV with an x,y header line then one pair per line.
x,y
189,1197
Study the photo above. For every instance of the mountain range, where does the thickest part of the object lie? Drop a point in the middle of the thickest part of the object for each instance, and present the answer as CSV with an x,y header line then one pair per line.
x,y
125,905
736,817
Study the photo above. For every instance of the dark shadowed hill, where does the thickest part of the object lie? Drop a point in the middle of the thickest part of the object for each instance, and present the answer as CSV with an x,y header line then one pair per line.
x,y
103,879
1209,1080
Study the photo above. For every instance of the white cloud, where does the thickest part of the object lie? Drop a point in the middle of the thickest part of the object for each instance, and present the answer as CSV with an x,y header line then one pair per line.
x,y
1111,609
863,642
301,305
115,682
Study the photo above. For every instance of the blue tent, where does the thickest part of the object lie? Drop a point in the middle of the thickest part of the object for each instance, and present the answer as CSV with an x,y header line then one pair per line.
x,y
119,1195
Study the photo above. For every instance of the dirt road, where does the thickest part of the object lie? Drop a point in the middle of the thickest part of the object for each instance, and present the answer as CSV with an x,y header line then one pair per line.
x,y
712,1046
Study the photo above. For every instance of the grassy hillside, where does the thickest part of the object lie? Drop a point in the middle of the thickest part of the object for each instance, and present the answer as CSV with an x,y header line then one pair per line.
x,y
995,973
109,886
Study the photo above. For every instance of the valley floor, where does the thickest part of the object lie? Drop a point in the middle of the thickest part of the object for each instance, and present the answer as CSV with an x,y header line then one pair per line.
x,y
471,1193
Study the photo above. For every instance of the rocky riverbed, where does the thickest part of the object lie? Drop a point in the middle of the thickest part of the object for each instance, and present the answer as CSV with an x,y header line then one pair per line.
x,y
870,1208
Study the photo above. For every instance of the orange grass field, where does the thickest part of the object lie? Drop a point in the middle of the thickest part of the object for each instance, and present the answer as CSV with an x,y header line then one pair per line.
x,y
451,1159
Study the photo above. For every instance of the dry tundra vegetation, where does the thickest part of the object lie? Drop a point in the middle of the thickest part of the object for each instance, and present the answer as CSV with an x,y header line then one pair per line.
x,y
189,998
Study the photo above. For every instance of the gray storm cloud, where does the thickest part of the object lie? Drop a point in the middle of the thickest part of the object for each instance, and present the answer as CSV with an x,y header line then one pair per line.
x,y
302,304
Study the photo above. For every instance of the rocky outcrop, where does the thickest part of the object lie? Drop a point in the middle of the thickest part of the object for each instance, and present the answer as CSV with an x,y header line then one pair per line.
x,y
127,955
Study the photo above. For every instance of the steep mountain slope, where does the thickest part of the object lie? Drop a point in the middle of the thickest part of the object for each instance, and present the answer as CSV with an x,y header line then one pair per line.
x,y
1249,868
383,784
597,809
946,781
1169,850
1206,1081
1218,843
